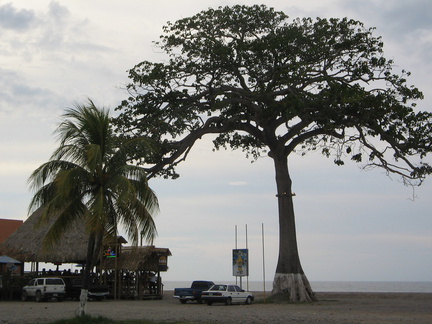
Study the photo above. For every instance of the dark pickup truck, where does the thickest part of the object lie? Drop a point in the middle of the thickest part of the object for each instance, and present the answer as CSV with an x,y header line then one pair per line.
x,y
95,291
194,292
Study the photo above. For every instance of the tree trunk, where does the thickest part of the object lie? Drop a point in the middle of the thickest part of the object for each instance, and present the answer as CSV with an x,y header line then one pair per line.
x,y
96,250
86,276
290,282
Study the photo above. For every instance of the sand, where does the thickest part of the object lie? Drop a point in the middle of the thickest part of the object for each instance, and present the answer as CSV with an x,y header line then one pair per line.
x,y
331,308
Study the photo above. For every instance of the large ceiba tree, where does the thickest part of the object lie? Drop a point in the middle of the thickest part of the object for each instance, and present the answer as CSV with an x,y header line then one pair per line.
x,y
271,86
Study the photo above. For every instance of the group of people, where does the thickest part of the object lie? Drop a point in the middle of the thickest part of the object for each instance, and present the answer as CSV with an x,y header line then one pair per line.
x,y
107,276
153,283
148,279
58,272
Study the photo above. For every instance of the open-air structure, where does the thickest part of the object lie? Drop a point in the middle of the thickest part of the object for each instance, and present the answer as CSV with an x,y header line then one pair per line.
x,y
130,271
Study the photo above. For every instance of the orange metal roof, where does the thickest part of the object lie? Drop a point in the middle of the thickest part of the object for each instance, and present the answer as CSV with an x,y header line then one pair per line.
x,y
7,227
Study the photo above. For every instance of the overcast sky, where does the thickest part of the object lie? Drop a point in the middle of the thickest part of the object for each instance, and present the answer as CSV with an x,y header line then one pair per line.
x,y
351,224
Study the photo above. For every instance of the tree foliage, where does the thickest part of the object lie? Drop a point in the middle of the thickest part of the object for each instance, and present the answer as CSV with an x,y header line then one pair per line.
x,y
260,82
268,85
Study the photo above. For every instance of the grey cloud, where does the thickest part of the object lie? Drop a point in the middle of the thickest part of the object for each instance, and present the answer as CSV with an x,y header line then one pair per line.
x,y
399,18
17,96
19,20
58,11
409,16
397,21
61,31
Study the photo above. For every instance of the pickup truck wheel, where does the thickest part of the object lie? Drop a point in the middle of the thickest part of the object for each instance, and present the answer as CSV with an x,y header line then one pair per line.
x,y
24,296
183,301
229,301
38,296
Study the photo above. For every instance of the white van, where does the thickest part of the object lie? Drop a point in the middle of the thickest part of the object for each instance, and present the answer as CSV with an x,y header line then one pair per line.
x,y
44,289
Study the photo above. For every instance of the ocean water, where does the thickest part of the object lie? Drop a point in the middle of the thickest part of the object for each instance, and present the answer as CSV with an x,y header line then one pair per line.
x,y
330,286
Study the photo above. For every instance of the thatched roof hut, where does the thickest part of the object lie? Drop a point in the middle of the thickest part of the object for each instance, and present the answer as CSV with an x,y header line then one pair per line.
x,y
139,258
25,244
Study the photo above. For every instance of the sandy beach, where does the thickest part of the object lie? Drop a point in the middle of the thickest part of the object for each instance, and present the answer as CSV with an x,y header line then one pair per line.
x,y
331,308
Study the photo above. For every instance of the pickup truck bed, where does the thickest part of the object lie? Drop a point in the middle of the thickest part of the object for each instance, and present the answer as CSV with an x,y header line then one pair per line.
x,y
96,291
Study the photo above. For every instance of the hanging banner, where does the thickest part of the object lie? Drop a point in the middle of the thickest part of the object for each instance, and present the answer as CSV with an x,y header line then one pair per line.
x,y
240,262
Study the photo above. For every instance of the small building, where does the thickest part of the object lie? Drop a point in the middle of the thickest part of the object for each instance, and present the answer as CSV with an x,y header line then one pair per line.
x,y
8,264
7,227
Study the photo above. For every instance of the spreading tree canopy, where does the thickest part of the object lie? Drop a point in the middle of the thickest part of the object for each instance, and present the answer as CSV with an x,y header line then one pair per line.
x,y
270,86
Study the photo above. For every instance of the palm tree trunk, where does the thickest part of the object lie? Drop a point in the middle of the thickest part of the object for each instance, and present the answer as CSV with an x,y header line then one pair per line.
x,y
97,250
86,275
290,281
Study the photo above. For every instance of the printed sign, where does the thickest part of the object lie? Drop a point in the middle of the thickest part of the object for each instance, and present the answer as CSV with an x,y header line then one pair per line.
x,y
240,262
163,263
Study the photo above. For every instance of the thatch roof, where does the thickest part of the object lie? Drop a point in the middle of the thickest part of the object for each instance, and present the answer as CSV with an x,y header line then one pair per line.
x,y
136,258
25,244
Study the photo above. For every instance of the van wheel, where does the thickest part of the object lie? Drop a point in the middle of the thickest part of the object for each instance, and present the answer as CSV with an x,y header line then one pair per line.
x,y
38,296
24,296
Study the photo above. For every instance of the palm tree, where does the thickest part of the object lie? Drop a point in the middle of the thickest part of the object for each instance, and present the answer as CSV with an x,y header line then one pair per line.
x,y
90,177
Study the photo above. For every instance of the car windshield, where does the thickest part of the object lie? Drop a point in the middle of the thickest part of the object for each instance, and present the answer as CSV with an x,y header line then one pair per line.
x,y
219,287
